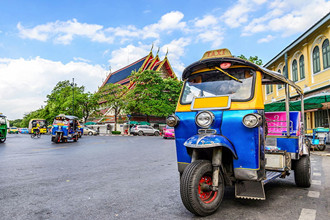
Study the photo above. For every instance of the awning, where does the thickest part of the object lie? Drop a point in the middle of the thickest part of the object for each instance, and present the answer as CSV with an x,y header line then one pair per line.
x,y
312,102
90,123
144,123
133,122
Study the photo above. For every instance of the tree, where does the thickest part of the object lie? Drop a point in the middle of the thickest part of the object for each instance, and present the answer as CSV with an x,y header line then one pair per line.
x,y
152,94
88,103
113,95
254,59
15,123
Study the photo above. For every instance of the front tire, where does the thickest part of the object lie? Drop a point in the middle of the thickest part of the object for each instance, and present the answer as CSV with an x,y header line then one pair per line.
x,y
2,140
90,133
302,172
197,175
322,147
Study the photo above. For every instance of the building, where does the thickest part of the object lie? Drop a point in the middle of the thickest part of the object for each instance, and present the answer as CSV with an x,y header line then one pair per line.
x,y
122,76
306,61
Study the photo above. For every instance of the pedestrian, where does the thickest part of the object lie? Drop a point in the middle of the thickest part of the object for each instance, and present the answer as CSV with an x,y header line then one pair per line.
x,y
108,128
98,129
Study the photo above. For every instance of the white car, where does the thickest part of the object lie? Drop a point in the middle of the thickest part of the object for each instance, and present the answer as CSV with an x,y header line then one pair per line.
x,y
89,131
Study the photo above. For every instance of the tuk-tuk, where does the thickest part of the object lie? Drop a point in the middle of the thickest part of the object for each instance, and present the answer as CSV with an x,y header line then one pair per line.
x,y
3,128
225,138
65,127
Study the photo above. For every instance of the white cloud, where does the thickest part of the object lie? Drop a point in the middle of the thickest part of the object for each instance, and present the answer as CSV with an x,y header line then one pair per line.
x,y
176,49
127,55
207,20
267,39
239,13
288,17
26,82
63,32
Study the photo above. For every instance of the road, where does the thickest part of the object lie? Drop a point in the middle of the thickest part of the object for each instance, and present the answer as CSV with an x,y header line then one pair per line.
x,y
120,177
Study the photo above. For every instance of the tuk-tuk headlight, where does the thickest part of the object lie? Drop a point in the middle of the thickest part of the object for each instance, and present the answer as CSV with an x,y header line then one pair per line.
x,y
204,119
252,120
172,120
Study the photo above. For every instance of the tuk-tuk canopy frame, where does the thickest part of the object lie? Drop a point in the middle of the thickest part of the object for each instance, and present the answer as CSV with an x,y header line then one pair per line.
x,y
269,77
70,117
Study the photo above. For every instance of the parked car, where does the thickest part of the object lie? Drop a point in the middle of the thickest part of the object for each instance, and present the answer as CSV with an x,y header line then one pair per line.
x,y
144,130
168,132
23,130
89,131
13,130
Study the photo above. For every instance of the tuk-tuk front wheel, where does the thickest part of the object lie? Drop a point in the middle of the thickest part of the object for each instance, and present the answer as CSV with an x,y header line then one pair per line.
x,y
195,189
2,140
302,171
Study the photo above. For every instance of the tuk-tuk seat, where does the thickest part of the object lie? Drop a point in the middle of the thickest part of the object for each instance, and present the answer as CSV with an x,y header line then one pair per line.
x,y
277,125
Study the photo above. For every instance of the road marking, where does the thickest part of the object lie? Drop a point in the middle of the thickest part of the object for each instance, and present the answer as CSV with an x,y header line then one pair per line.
x,y
52,148
316,182
307,214
313,194
315,169
316,174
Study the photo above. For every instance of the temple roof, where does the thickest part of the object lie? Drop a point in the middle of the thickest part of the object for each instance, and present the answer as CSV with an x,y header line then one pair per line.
x,y
148,62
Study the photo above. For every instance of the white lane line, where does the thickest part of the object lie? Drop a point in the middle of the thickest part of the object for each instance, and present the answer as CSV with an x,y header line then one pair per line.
x,y
315,169
307,214
316,182
313,194
316,174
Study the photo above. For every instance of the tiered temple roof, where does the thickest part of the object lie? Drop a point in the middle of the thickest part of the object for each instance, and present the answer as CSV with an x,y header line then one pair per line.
x,y
148,62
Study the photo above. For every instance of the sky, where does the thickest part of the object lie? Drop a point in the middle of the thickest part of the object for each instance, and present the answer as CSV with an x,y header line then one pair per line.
x,y
44,42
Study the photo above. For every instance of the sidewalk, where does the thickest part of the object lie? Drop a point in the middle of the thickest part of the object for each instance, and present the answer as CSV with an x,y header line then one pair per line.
x,y
326,152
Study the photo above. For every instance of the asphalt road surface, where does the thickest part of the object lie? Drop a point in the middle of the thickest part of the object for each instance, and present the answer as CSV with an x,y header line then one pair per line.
x,y
119,177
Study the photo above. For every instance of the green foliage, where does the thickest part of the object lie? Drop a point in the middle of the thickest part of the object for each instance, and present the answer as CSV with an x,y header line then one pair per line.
x,y
152,94
114,97
15,123
116,132
252,59
60,101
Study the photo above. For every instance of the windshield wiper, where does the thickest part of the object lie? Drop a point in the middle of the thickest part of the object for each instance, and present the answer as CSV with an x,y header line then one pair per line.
x,y
221,70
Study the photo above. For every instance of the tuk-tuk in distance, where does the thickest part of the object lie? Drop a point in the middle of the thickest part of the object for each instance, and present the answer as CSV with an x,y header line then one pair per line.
x,y
3,128
225,138
65,127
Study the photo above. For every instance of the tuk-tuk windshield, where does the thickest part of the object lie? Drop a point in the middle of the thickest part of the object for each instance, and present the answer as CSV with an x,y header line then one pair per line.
x,y
61,121
216,83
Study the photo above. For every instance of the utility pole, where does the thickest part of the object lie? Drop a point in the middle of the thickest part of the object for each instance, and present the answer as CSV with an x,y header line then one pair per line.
x,y
72,96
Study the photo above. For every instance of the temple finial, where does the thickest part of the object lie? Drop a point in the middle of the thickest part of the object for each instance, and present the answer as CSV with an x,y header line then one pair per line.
x,y
157,51
152,47
166,53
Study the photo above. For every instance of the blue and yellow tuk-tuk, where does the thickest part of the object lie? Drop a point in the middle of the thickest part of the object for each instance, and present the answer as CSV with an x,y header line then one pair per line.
x,y
225,138
65,127
3,128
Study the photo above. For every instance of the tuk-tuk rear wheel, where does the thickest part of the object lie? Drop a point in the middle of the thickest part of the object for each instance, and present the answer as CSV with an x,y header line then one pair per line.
x,y
195,189
2,140
302,172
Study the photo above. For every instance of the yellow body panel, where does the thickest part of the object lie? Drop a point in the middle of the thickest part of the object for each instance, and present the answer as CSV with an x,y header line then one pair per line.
x,y
211,102
257,102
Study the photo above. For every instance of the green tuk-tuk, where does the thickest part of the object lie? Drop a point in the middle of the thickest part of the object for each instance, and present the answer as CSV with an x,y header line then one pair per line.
x,y
3,128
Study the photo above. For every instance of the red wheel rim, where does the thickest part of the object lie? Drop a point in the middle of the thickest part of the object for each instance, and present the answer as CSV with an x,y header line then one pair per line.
x,y
208,196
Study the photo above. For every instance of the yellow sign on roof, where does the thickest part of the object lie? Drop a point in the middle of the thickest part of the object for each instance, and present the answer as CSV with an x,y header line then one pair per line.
x,y
217,53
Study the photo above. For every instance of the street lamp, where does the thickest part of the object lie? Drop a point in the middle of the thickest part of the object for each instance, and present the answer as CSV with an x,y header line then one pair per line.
x,y
72,84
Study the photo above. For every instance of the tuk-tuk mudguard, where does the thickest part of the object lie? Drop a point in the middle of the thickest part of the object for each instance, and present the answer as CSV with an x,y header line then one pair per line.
x,y
248,146
202,141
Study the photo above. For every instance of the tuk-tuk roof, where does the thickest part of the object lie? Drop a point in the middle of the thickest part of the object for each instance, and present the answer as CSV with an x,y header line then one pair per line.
x,y
1,115
270,77
70,117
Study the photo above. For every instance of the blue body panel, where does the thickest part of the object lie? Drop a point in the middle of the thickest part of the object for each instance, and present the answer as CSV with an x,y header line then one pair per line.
x,y
56,129
288,144
229,124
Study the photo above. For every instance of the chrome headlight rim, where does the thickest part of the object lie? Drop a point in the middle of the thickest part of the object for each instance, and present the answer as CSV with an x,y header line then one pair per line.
x,y
172,120
212,117
257,123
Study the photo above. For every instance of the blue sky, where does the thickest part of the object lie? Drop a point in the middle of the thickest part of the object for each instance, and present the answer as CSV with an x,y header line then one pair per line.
x,y
43,42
